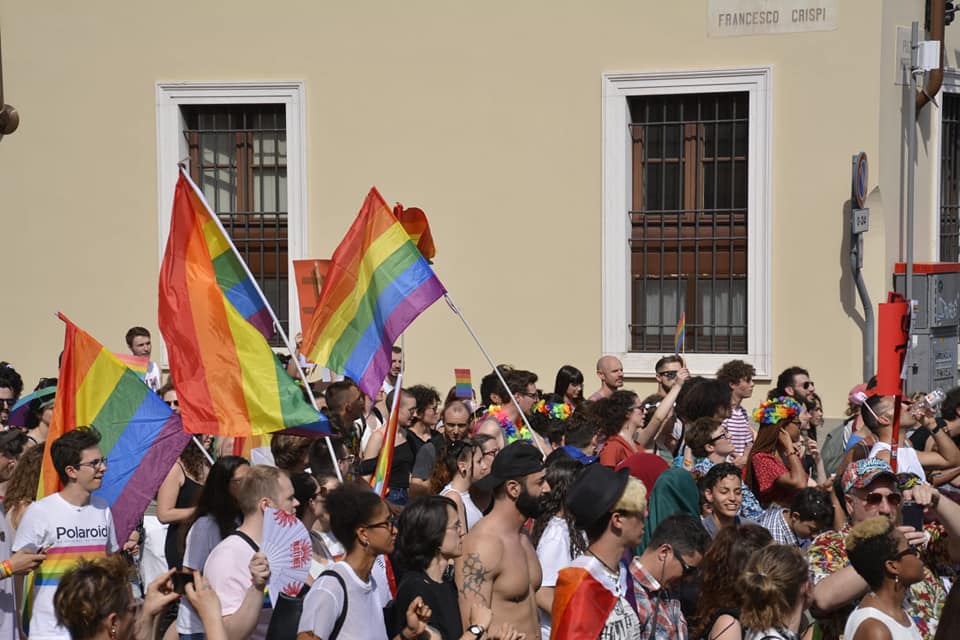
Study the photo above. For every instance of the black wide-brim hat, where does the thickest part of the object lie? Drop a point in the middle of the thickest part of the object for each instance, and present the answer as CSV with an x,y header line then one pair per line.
x,y
595,492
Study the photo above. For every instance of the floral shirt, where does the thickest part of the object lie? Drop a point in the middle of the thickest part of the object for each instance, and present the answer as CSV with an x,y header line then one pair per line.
x,y
828,554
749,507
668,622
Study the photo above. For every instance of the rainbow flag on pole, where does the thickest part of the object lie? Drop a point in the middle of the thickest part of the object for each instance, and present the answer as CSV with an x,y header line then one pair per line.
x,y
140,435
464,384
377,285
681,333
381,476
229,382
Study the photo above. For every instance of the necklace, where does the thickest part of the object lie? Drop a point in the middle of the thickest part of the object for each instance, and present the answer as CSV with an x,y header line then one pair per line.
x,y
612,572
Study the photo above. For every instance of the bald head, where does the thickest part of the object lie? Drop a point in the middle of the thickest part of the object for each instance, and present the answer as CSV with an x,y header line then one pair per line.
x,y
610,372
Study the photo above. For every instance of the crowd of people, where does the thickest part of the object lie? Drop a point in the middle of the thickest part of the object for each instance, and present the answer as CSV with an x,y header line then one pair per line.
x,y
521,512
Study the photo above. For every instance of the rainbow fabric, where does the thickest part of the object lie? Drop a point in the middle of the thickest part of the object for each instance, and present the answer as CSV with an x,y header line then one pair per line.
x,y
377,285
140,435
681,333
229,382
381,476
464,383
135,363
581,605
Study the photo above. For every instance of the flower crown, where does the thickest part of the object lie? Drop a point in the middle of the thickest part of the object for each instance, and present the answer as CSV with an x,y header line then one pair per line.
x,y
779,409
555,410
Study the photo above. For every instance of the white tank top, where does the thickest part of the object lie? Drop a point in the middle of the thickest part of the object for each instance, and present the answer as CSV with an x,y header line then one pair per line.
x,y
470,509
897,630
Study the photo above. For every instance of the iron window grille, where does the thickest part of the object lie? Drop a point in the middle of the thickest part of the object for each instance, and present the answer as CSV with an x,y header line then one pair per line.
x,y
950,179
688,220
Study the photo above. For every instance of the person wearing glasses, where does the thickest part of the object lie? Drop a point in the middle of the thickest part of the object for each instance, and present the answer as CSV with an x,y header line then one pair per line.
x,y
11,386
672,375
69,525
622,422
675,551
346,602
870,489
794,382
709,442
880,553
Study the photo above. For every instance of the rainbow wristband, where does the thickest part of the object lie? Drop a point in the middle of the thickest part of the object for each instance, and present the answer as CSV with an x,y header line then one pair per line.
x,y
7,568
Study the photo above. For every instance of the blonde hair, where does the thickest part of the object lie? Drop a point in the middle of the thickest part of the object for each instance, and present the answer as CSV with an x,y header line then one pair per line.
x,y
869,528
262,481
771,586
634,497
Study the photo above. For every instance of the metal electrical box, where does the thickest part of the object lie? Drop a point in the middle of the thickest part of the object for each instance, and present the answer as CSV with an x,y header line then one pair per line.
x,y
932,354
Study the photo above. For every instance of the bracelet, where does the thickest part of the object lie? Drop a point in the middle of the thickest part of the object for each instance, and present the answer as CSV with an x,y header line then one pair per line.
x,y
7,568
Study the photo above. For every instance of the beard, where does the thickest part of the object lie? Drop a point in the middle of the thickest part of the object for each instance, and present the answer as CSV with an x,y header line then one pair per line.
x,y
528,505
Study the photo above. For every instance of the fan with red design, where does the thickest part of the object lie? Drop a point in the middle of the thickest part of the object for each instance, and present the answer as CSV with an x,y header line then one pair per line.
x,y
286,543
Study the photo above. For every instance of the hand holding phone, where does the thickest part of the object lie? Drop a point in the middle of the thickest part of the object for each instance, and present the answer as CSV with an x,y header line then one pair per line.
x,y
911,514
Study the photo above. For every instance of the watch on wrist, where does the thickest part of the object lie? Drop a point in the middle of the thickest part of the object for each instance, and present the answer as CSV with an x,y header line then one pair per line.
x,y
476,630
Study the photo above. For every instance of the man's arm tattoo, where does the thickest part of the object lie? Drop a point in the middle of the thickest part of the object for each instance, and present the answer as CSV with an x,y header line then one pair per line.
x,y
473,577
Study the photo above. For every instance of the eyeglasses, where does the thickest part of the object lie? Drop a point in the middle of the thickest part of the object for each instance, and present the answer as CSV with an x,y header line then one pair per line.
x,y
893,499
8,402
172,403
387,524
909,551
687,569
808,384
492,452
669,375
534,395
93,464
724,434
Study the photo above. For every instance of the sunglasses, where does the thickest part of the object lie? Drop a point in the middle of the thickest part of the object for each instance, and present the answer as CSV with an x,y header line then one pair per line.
x,y
808,384
874,499
909,551
687,569
172,403
669,375
7,402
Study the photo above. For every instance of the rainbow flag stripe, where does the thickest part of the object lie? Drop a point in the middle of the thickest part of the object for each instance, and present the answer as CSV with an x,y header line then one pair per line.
x,y
377,285
464,383
681,333
140,435
381,476
229,382
62,559
136,364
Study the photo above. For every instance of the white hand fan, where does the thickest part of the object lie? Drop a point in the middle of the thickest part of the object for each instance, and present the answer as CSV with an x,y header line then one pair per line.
x,y
286,543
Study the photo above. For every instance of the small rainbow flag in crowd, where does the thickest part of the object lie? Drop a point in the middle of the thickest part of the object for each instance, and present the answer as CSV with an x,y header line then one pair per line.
x,y
140,435
377,285
681,333
464,383
381,476
229,382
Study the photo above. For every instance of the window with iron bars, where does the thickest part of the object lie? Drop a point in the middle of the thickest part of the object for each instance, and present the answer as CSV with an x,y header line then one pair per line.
x,y
950,179
238,158
688,241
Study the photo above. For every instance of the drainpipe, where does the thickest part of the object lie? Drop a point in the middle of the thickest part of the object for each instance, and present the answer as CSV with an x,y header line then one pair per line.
x,y
935,76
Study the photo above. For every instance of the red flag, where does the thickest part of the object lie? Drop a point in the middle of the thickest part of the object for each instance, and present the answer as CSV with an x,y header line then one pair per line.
x,y
415,223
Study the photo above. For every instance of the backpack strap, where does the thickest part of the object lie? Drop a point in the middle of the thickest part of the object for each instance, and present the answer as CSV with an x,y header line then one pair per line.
x,y
338,625
247,539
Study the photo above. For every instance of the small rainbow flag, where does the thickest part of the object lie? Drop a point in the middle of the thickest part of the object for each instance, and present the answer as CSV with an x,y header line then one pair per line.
x,y
381,476
464,383
137,364
377,285
140,435
681,333
229,381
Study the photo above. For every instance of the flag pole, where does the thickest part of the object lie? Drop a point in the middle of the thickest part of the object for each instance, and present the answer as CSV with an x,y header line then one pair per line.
x,y
456,310
206,454
266,303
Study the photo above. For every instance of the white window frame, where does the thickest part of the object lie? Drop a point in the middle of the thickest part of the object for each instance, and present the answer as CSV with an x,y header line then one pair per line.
x,y
951,84
172,149
617,88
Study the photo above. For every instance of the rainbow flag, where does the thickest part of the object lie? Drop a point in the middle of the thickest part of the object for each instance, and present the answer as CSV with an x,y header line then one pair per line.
x,y
681,333
137,364
140,435
377,285
464,383
381,476
415,223
581,604
229,382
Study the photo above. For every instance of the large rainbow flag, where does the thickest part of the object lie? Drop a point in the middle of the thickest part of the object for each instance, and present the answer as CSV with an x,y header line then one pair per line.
x,y
140,435
377,284
229,382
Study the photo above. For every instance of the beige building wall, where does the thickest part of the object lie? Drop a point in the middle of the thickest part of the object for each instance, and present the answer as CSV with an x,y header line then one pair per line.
x,y
486,115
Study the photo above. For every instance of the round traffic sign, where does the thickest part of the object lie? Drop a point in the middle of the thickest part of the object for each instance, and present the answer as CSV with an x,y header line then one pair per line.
x,y
860,176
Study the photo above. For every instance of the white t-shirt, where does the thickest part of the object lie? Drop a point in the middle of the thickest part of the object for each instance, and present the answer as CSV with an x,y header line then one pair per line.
x,y
203,536
75,533
8,606
153,376
553,551
897,630
228,570
324,602
907,460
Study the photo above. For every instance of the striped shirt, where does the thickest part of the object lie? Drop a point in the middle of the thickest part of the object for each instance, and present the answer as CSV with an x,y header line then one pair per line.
x,y
738,426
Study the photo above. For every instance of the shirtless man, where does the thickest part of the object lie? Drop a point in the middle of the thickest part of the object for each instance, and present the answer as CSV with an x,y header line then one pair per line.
x,y
499,567
610,372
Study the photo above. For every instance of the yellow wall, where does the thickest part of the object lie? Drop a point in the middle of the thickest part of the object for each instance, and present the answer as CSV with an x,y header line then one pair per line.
x,y
487,115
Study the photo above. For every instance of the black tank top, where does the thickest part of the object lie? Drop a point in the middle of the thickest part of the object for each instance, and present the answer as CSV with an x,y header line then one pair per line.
x,y
186,498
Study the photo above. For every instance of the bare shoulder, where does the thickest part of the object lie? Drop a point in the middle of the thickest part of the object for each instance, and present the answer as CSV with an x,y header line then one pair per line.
x,y
872,629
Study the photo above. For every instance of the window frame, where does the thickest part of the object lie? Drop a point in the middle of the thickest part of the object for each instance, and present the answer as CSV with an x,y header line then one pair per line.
x,y
616,161
172,148
951,84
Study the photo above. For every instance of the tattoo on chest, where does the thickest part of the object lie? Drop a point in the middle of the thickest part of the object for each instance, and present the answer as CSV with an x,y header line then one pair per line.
x,y
473,576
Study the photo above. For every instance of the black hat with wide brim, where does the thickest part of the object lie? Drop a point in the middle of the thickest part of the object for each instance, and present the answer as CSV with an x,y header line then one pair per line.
x,y
595,492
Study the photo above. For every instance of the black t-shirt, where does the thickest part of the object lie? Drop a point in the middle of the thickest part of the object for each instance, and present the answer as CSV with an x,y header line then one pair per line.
x,y
441,597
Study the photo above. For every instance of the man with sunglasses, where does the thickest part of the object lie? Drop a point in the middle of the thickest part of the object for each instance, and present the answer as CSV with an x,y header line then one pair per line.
x,y
69,525
11,386
794,382
870,489
675,551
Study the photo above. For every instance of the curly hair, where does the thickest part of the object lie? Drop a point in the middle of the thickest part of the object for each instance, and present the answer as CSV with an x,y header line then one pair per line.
x,y
701,397
560,474
771,585
726,557
91,591
193,459
350,507
869,545
614,411
734,371
10,379
22,488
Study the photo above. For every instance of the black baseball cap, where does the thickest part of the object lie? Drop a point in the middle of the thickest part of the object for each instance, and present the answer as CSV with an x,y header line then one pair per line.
x,y
516,460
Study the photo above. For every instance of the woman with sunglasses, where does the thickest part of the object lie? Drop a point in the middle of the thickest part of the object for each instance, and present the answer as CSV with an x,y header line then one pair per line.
x,y
430,535
774,470
453,476
345,602
879,552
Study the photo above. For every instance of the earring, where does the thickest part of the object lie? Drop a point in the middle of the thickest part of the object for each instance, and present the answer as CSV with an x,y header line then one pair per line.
x,y
113,632
896,580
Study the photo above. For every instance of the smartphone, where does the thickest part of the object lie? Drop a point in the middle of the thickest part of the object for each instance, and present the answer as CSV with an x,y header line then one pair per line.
x,y
911,514
180,580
